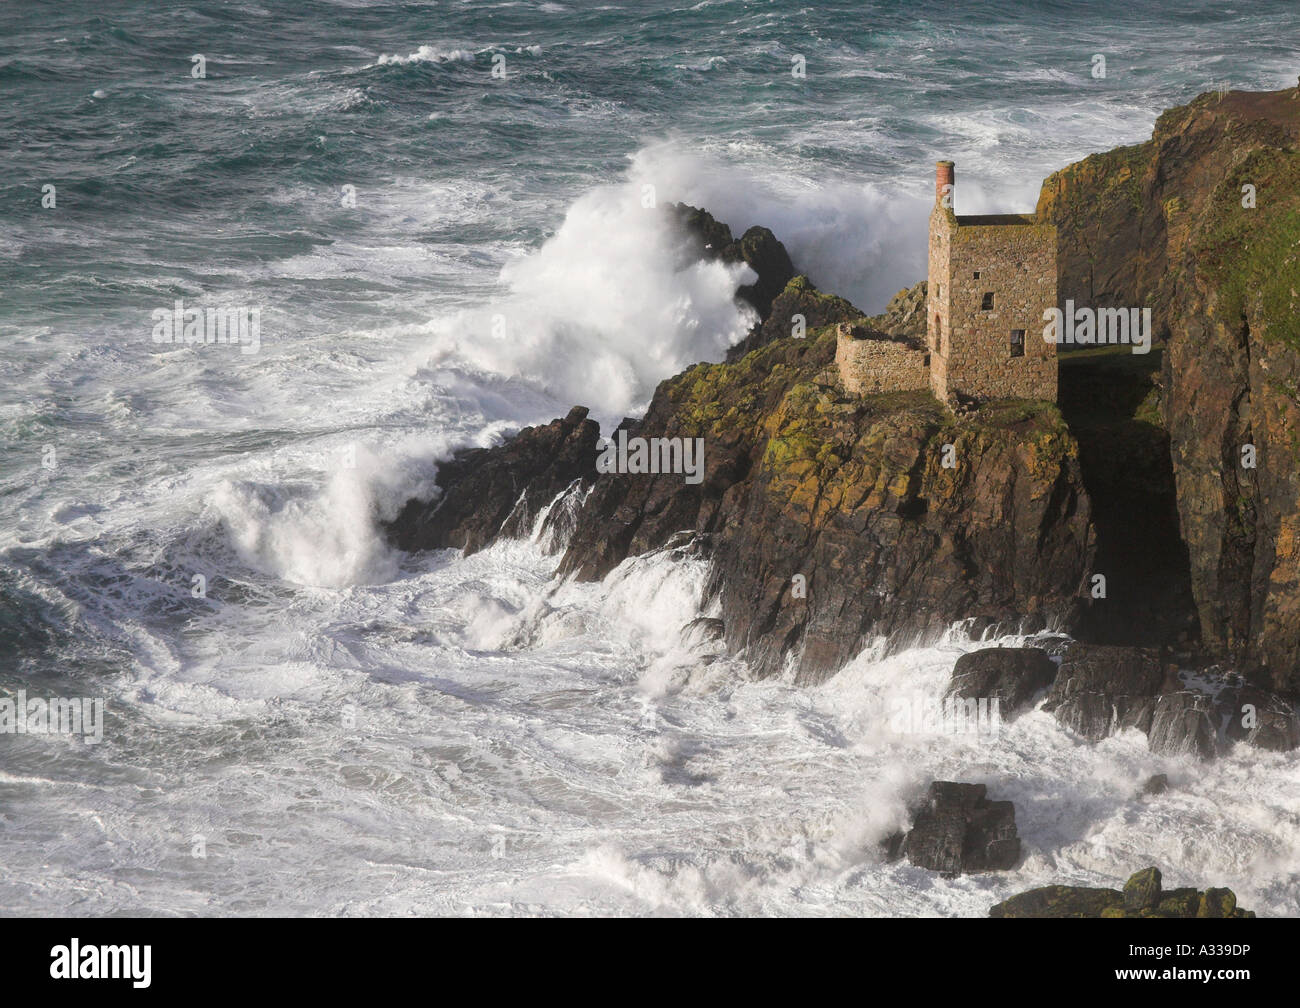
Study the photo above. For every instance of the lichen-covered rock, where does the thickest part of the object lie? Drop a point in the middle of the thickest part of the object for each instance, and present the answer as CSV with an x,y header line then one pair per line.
x,y
1013,675
905,313
798,298
1202,224
958,830
1142,890
1061,901
1141,897
1217,903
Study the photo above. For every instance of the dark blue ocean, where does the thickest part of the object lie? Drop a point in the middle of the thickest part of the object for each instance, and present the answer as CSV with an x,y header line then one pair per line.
x,y
440,214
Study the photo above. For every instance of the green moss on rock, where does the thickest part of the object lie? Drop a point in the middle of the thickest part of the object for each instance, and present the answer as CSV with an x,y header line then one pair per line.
x,y
1141,897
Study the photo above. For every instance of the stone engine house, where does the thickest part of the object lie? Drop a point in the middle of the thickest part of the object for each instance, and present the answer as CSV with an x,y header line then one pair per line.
x,y
991,279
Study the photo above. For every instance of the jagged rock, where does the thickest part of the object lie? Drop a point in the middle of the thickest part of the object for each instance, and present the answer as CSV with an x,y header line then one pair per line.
x,y
1261,719
1103,689
1013,675
1142,897
758,248
1156,784
905,313
1142,890
958,830
799,297
490,492
1183,723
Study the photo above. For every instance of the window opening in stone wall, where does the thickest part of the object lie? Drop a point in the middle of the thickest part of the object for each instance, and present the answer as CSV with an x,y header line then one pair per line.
x,y
987,304
1017,342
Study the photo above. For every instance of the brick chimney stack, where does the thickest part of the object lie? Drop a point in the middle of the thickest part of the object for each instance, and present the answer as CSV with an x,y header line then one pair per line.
x,y
944,174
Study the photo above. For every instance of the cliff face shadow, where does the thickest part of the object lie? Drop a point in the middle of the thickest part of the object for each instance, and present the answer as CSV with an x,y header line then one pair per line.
x,y
1109,396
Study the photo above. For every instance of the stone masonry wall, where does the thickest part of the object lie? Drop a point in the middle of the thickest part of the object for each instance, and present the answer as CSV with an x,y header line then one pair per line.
x,y
1016,263
938,331
870,361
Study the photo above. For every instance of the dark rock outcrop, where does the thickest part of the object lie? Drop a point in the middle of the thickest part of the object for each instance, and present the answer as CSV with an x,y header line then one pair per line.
x,y
1261,719
1142,897
1103,689
1184,723
958,830
758,248
799,297
1100,689
850,495
491,492
1013,675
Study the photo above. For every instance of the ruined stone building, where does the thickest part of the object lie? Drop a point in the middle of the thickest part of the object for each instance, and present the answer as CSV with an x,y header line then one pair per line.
x,y
991,279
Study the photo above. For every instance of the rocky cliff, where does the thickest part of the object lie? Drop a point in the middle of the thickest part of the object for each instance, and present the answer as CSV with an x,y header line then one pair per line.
x,y
1202,223
829,519
832,519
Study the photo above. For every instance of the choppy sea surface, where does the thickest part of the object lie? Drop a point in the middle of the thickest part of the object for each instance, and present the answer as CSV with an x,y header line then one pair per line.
x,y
299,720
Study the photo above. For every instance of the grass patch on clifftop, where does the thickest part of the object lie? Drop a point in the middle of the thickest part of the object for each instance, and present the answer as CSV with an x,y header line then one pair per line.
x,y
1253,255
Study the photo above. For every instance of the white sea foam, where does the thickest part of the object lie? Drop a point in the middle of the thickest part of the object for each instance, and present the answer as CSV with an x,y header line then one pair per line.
x,y
604,309
428,54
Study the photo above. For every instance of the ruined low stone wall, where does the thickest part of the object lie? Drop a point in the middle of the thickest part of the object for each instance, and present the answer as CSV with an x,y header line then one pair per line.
x,y
870,361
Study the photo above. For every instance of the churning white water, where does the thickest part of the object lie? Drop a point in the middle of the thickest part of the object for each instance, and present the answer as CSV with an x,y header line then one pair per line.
x,y
303,721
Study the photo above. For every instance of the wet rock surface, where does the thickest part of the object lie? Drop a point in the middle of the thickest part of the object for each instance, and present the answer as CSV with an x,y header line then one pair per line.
x,y
1014,676
958,830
